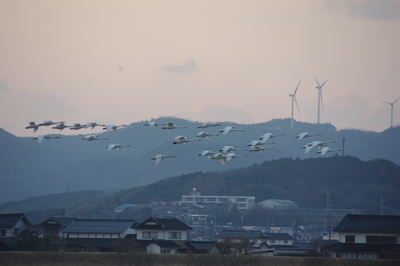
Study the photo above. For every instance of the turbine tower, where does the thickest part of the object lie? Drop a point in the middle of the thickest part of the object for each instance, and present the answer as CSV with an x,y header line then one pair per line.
x,y
391,111
319,88
294,101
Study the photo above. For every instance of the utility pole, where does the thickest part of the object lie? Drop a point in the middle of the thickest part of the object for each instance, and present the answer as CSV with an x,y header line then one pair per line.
x,y
382,206
327,208
343,141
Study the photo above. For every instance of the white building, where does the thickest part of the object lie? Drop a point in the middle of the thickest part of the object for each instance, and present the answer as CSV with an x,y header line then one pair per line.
x,y
242,202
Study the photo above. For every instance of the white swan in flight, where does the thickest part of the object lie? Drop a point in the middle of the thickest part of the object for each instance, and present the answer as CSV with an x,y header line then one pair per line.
x,y
160,157
226,130
307,135
116,146
183,140
203,134
171,125
325,150
113,127
92,125
259,148
316,143
230,149
76,126
33,126
60,126
45,137
49,123
259,143
153,124
205,125
207,153
224,158
93,137
267,136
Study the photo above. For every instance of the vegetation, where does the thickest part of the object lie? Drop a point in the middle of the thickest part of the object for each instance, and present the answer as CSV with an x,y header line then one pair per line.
x,y
353,184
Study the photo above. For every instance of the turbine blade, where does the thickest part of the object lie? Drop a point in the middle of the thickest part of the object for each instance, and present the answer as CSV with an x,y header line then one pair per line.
x,y
317,81
297,105
324,82
297,88
396,100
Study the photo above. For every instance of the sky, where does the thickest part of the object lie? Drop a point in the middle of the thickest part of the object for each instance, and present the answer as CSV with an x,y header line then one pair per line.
x,y
119,62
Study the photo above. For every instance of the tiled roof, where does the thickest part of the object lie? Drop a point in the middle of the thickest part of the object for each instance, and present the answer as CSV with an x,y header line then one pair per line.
x,y
55,222
240,234
202,245
98,226
98,242
163,223
365,247
279,236
9,220
369,223
164,243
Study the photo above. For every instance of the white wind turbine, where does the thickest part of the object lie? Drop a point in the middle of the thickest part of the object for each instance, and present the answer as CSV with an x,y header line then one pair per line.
x,y
294,101
391,111
319,88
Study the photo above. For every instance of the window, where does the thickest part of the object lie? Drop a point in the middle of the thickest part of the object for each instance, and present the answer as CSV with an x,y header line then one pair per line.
x,y
3,233
16,231
350,238
150,235
272,241
285,241
165,251
175,235
241,199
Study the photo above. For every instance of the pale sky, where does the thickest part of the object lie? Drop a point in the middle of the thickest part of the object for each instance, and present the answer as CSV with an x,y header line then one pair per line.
x,y
119,62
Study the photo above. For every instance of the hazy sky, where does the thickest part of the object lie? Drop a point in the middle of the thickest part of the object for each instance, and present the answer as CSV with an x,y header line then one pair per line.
x,y
118,62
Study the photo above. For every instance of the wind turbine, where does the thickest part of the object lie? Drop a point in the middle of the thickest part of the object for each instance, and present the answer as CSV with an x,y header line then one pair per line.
x,y
319,88
391,111
294,101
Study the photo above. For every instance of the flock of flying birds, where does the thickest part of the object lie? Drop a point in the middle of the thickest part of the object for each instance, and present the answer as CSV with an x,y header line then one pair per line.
x,y
226,153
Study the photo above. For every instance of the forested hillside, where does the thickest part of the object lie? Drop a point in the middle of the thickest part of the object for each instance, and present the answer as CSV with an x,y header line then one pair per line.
x,y
29,169
352,183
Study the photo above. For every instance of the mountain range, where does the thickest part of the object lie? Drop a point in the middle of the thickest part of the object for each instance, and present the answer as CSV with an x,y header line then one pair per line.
x,y
70,164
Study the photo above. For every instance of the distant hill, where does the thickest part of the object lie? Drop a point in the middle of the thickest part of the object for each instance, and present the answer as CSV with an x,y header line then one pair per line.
x,y
29,169
352,183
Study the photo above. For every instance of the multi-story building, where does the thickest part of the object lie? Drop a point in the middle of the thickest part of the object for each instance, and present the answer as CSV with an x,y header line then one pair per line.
x,y
242,202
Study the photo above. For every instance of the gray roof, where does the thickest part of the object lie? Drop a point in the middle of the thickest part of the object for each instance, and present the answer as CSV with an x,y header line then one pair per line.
x,y
163,223
99,225
240,234
98,242
9,220
279,236
369,223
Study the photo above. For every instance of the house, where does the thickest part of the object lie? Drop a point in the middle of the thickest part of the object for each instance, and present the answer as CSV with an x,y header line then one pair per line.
x,y
95,234
163,235
12,224
367,236
52,227
203,247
